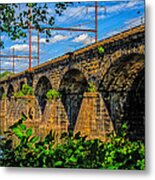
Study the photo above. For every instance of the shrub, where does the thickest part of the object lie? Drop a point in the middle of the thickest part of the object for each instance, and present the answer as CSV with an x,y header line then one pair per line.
x,y
101,50
73,151
53,94
91,87
26,90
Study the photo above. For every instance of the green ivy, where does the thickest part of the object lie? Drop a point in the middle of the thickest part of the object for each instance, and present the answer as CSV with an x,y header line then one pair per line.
x,y
26,91
101,50
91,87
53,94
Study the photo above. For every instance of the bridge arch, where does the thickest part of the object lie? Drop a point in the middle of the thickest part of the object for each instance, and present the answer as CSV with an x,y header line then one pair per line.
x,y
2,91
21,84
72,87
124,94
10,92
42,87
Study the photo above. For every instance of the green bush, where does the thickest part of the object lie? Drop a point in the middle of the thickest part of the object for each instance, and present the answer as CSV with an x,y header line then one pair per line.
x,y
26,91
53,94
101,50
91,87
73,151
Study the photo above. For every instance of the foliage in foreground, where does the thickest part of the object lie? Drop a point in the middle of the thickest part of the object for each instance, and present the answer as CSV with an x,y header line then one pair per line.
x,y
74,152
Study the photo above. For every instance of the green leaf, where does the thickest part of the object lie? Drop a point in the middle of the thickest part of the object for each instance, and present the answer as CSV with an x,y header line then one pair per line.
x,y
58,163
72,160
34,139
18,132
23,127
29,132
101,50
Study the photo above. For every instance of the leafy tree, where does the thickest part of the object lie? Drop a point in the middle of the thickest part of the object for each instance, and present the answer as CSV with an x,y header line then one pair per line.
x,y
14,24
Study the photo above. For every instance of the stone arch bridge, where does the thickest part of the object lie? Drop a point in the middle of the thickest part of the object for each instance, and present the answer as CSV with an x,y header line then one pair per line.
x,y
118,76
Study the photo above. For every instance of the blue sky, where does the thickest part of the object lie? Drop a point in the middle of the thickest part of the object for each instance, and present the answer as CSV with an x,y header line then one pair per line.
x,y
119,16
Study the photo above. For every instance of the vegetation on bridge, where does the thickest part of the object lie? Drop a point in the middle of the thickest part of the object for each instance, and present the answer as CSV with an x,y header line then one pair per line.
x,y
5,75
25,91
53,94
74,152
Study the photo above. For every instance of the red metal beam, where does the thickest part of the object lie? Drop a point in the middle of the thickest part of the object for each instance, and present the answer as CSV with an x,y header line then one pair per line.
x,y
30,41
21,57
13,60
38,48
3,69
96,21
68,29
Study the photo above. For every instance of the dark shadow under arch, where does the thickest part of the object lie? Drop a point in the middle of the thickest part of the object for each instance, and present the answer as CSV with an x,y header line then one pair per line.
x,y
43,86
72,87
119,88
21,85
134,109
10,92
2,91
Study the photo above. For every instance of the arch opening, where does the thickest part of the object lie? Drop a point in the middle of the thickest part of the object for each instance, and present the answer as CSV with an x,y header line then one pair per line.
x,y
122,88
43,86
2,91
21,85
10,92
72,87
134,110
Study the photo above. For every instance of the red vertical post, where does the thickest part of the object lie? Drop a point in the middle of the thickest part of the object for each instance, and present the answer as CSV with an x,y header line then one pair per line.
x,y
13,60
38,47
0,57
30,41
96,21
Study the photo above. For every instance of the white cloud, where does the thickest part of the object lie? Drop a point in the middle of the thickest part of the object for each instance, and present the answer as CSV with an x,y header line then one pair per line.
x,y
23,47
35,39
80,38
134,22
4,37
84,38
133,4
115,8
58,37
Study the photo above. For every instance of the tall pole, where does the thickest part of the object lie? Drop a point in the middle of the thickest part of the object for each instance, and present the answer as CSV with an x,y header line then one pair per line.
x,y
38,47
30,41
0,57
13,60
96,21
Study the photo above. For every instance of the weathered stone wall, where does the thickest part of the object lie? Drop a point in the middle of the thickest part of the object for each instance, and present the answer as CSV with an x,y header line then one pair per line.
x,y
54,119
93,119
